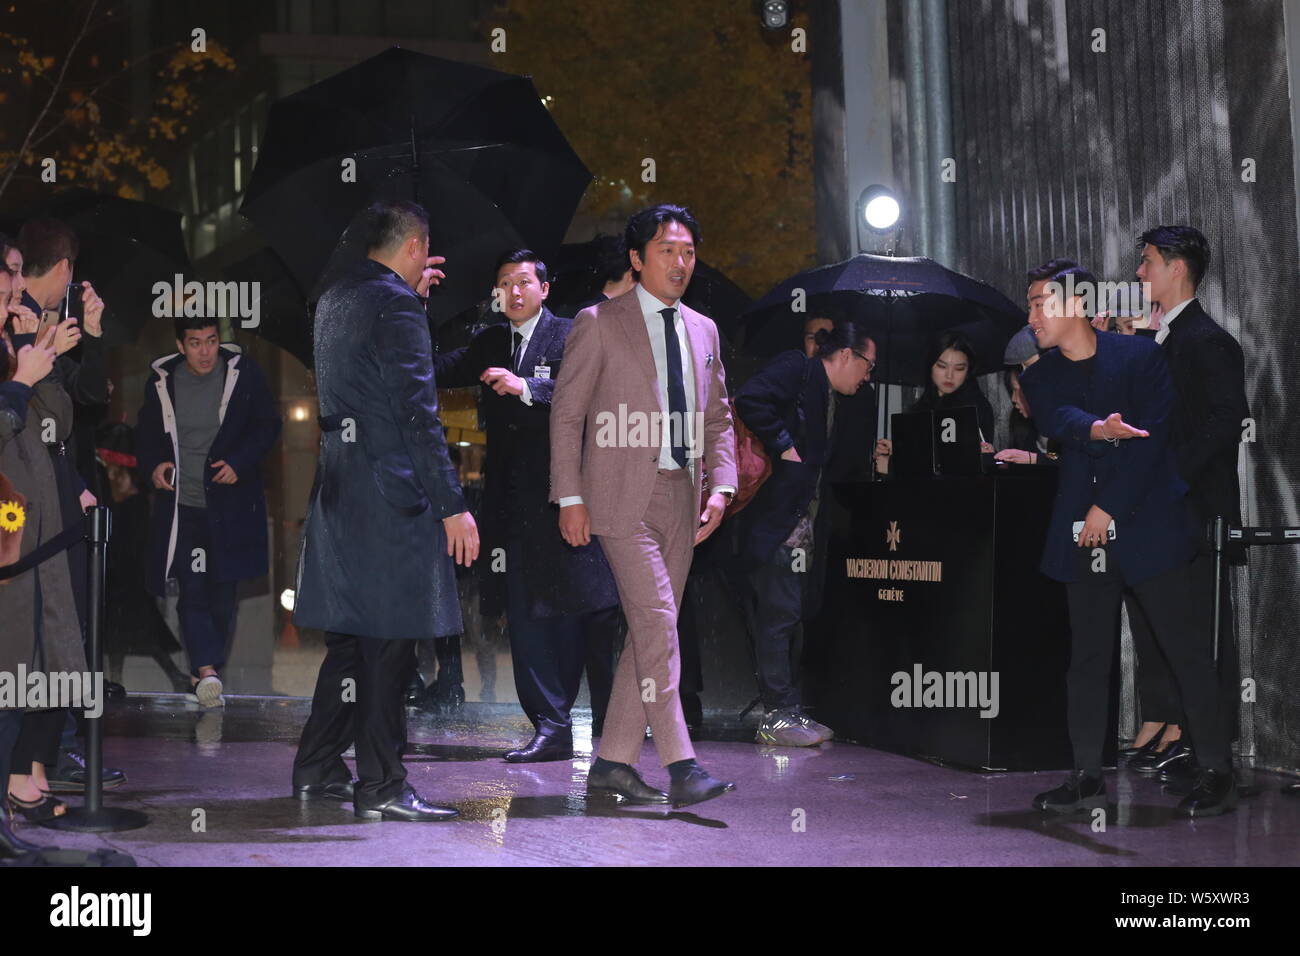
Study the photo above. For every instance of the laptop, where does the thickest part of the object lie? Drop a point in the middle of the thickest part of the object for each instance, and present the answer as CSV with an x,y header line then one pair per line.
x,y
927,444
957,441
914,452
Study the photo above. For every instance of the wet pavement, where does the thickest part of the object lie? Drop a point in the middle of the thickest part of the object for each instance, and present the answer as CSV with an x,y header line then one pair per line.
x,y
215,785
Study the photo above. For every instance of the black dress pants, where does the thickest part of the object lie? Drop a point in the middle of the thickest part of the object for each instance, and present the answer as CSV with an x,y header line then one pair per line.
x,y
1156,689
359,699
1181,633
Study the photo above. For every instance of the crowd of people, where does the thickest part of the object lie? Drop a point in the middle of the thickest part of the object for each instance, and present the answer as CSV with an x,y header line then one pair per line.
x,y
582,540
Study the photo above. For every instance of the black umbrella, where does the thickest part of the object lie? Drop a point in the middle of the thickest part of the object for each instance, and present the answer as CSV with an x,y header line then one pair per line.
x,y
284,317
126,247
903,303
475,147
576,279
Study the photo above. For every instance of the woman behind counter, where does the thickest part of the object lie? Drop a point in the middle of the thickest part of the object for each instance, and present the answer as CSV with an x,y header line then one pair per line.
x,y
951,386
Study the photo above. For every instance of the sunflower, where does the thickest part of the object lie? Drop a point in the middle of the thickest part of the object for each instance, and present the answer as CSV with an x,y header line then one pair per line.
x,y
12,516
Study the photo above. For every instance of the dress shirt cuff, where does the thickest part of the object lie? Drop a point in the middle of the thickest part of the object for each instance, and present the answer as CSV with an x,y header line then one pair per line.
x,y
570,500
526,396
723,488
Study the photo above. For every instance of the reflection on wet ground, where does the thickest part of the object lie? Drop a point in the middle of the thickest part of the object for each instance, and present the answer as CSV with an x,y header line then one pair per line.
x,y
839,804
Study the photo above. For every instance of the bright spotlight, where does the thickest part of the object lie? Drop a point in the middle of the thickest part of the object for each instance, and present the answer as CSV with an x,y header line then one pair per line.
x,y
880,208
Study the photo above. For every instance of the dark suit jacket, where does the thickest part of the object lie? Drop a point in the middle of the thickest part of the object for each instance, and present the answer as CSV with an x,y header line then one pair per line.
x,y
374,560
1209,374
517,475
784,404
1136,482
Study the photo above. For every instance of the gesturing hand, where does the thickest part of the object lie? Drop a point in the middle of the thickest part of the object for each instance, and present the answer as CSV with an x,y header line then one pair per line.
x,y
1115,428
431,276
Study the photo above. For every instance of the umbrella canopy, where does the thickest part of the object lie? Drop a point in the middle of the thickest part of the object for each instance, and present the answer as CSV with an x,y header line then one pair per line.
x,y
475,147
126,246
575,279
902,303
284,316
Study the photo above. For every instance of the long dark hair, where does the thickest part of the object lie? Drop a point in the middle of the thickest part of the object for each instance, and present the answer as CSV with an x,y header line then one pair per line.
x,y
958,343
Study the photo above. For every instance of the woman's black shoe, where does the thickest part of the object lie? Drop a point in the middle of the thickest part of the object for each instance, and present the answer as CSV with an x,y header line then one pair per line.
x,y
1158,760
1128,753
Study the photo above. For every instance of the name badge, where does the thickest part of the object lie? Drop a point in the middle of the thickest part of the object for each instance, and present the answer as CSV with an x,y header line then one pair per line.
x,y
541,371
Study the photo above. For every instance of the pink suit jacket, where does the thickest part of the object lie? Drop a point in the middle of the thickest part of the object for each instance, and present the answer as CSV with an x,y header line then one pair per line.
x,y
607,378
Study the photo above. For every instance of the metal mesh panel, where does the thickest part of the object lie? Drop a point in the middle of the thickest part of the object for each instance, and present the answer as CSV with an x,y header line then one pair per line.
x,y
1066,150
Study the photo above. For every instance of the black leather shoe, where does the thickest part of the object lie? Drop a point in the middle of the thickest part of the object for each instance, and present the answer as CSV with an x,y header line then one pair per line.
x,y
414,690
1215,792
1079,792
12,846
1291,790
324,791
1180,777
114,690
696,788
407,806
541,748
1128,753
625,782
70,775
1158,760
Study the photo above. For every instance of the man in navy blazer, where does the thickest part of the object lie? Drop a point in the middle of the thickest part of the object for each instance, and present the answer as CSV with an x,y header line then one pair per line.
x,y
1121,519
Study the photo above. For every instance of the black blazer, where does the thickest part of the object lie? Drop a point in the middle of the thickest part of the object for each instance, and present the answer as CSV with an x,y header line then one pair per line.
x,y
517,475
1136,481
784,404
1209,373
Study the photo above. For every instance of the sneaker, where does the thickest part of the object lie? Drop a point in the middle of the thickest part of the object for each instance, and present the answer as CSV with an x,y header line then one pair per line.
x,y
821,730
1079,792
208,691
782,728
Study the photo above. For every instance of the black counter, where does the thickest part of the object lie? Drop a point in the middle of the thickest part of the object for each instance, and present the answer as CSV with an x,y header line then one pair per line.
x,y
935,612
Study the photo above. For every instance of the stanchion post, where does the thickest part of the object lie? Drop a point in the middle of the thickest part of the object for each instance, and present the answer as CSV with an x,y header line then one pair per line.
x,y
93,816
1220,542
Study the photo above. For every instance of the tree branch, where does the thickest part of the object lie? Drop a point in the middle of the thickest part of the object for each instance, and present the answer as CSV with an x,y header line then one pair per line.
x,y
63,70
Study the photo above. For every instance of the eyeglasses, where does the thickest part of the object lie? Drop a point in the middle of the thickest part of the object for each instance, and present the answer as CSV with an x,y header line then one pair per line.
x,y
871,363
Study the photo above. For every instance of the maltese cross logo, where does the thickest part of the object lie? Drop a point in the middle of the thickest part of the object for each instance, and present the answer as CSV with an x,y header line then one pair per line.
x,y
893,536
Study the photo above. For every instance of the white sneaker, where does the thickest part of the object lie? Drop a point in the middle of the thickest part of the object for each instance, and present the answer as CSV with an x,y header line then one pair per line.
x,y
208,691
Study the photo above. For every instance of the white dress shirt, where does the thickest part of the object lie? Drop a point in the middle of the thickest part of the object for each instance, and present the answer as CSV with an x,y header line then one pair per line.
x,y
1167,320
654,326
526,330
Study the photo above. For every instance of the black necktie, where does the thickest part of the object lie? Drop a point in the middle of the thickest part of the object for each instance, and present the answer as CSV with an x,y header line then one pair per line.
x,y
517,352
676,390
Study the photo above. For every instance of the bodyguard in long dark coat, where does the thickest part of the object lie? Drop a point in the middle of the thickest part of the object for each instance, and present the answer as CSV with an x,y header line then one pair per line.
x,y
375,570
541,582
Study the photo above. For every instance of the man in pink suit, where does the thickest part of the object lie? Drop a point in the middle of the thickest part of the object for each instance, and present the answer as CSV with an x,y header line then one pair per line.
x,y
639,425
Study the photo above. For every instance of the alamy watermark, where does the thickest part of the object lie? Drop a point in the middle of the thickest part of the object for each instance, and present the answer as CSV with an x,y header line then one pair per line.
x,y
1118,298
216,300
634,429
947,689
53,690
